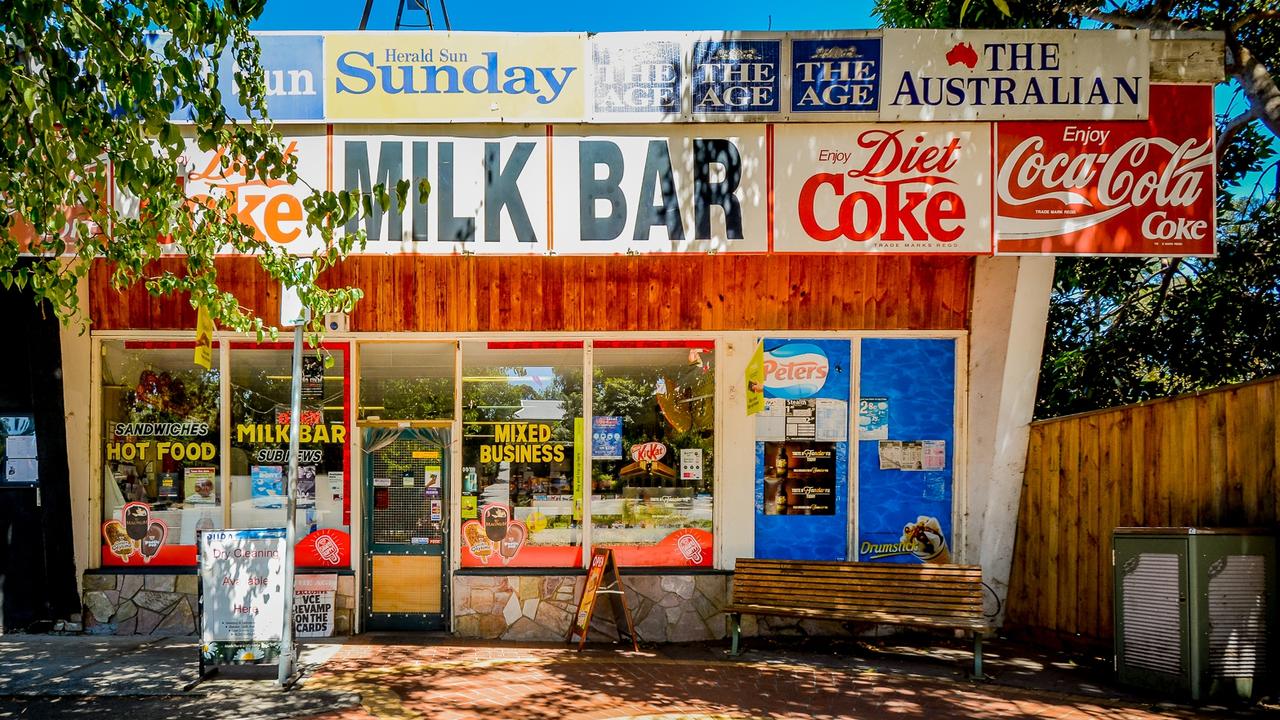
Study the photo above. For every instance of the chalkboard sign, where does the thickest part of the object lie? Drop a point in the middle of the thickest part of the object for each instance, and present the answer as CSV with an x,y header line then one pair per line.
x,y
603,578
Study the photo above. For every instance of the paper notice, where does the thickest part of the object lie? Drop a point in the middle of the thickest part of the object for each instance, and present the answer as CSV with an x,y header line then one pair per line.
x,y
833,420
21,470
20,446
771,423
802,416
933,455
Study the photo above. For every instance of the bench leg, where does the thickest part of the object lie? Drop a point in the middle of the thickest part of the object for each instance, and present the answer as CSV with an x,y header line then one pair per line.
x,y
736,620
977,657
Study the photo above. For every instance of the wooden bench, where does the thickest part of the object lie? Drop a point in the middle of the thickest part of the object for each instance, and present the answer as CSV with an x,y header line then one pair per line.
x,y
944,597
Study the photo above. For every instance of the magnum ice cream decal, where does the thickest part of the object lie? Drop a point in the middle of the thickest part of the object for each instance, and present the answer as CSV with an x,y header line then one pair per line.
x,y
494,533
135,533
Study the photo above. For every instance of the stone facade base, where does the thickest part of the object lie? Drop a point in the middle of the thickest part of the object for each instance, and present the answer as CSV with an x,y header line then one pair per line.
x,y
131,604
665,608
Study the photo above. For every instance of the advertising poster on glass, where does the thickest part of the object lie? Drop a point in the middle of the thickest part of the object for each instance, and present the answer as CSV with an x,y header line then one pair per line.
x,y
802,451
905,463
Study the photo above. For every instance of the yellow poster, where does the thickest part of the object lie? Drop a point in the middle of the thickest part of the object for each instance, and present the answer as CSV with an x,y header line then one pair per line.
x,y
204,339
579,465
755,380
455,77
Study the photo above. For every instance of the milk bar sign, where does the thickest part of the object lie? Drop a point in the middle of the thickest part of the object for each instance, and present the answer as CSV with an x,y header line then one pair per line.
x,y
1015,74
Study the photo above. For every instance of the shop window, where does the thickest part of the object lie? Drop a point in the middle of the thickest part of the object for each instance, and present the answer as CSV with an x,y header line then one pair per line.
x,y
652,437
161,463
522,468
406,381
261,381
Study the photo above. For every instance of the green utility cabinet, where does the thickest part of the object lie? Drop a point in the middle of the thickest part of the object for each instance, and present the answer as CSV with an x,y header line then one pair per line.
x,y
1194,609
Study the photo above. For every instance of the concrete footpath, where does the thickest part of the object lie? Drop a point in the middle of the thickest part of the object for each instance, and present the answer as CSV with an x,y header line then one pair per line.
x,y
417,676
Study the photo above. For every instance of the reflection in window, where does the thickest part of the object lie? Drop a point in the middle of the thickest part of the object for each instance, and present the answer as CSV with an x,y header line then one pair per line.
x,y
406,381
261,382
652,464
521,487
160,452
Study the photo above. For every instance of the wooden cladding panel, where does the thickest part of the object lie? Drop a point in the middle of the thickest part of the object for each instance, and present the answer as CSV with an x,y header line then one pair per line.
x,y
1210,459
451,293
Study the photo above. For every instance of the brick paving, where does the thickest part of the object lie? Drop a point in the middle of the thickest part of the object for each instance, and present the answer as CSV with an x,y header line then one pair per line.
x,y
454,680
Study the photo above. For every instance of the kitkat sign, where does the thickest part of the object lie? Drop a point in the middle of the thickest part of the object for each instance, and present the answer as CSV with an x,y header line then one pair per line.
x,y
883,188
1143,187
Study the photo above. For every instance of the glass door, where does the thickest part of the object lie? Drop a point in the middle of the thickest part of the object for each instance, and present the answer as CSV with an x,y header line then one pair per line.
x,y
406,529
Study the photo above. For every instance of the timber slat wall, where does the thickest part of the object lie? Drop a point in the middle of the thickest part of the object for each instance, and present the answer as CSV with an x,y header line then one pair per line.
x,y
1209,459
453,293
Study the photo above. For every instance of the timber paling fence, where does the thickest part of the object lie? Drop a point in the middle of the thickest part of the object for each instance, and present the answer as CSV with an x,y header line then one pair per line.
x,y
1211,459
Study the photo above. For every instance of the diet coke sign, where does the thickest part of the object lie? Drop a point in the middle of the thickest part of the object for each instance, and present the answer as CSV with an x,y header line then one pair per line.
x,y
1111,188
883,188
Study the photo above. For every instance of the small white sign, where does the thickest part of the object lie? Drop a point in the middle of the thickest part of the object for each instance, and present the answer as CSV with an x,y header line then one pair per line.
x,y
313,604
20,446
691,464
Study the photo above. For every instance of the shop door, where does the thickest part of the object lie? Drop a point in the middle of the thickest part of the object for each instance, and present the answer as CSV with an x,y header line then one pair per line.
x,y
406,530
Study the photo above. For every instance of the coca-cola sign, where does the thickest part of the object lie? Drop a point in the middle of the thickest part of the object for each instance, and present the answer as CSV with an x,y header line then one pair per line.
x,y
1111,188
883,188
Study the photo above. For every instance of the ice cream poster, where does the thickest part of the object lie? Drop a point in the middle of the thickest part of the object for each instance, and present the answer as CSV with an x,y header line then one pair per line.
x,y
494,534
135,533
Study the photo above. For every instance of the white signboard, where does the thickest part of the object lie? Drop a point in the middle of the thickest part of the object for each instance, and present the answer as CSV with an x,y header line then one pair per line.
x,y
242,576
680,189
272,208
919,188
1015,75
313,603
691,464
488,190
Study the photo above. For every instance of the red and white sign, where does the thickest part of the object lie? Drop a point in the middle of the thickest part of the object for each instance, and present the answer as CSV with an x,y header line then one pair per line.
x,y
648,452
273,208
1143,187
883,188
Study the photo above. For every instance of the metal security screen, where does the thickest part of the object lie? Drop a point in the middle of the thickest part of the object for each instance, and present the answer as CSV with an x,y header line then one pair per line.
x,y
408,498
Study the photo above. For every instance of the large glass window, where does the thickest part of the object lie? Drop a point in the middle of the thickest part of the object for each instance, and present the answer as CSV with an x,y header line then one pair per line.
x,y
652,436
261,381
522,468
406,381
160,454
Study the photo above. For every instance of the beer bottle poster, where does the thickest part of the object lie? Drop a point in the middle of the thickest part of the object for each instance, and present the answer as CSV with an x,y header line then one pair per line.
x,y
905,507
802,488
799,478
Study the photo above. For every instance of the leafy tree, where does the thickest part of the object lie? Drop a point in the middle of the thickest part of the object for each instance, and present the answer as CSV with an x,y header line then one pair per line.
x,y
1123,330
82,88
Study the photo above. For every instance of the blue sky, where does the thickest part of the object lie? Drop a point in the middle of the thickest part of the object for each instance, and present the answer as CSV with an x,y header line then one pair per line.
x,y
577,15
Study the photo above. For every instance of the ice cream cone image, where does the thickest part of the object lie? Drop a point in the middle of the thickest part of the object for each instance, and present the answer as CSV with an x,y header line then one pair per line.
x,y
926,540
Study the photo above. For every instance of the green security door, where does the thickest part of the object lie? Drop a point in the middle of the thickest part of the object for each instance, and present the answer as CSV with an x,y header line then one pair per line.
x,y
406,529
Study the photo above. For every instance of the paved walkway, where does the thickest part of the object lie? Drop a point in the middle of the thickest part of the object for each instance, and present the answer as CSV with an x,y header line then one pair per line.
x,y
455,680
387,676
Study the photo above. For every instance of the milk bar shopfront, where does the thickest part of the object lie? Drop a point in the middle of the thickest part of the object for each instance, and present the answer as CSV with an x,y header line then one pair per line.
x,y
551,355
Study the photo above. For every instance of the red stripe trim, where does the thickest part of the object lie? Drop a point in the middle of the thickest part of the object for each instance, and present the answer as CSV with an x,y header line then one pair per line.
x,y
708,345
161,345
559,344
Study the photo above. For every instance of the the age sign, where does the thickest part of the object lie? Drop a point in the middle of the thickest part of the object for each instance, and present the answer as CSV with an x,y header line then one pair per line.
x,y
882,188
1137,187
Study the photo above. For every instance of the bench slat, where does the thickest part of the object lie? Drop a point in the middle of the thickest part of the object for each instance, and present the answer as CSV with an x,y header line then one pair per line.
x,y
936,589
811,604
805,599
870,617
856,567
905,575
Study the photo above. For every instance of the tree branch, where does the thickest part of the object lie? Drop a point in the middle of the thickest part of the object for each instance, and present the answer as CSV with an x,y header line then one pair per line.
x,y
1125,20
1233,126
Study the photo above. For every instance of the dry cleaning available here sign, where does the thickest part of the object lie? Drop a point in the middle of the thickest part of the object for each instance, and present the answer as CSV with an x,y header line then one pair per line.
x,y
242,574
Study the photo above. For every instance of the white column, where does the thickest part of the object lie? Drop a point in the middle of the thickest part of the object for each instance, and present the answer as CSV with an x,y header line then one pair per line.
x,y
77,396
736,458
1010,309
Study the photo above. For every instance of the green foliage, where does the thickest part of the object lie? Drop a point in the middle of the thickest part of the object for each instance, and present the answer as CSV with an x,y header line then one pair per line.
x,y
1122,330
80,86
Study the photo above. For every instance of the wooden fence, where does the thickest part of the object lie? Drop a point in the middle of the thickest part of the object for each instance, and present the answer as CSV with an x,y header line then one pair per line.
x,y
1209,459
